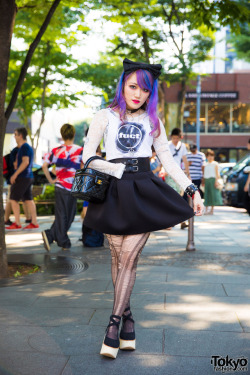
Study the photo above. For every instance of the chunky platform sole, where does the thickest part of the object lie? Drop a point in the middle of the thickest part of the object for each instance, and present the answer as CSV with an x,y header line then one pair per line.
x,y
127,344
108,351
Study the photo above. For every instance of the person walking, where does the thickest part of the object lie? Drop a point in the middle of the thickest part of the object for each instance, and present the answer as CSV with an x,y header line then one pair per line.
x,y
11,170
67,159
137,201
21,182
196,161
211,175
179,152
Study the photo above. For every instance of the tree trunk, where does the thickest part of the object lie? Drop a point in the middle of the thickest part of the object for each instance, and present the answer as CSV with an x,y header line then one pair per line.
x,y
28,58
8,11
182,102
145,45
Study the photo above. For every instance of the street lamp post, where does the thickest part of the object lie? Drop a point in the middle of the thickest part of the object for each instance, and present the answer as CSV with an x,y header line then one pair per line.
x,y
198,110
190,242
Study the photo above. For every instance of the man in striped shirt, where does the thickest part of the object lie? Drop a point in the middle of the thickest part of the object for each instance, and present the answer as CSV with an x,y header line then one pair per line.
x,y
196,161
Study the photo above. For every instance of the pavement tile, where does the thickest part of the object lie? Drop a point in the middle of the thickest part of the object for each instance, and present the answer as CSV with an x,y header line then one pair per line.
x,y
131,363
29,363
179,288
203,343
175,317
86,340
239,290
45,316
13,298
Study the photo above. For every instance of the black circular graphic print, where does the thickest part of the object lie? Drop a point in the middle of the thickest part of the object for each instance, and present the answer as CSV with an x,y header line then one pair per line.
x,y
129,137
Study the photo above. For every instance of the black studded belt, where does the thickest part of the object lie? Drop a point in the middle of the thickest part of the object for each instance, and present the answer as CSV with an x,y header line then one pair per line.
x,y
134,165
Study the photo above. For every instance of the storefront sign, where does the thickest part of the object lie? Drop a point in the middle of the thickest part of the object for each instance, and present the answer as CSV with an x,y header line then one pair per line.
x,y
214,95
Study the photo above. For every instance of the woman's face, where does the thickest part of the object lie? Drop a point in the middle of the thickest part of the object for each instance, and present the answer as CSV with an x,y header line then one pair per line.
x,y
134,96
210,158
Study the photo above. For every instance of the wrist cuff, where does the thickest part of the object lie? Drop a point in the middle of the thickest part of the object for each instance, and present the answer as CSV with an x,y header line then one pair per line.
x,y
190,190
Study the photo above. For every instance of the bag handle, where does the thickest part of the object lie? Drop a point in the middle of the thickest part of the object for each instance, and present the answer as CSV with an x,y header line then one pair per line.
x,y
90,160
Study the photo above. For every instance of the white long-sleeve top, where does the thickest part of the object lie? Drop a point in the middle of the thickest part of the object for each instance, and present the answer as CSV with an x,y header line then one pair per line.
x,y
130,139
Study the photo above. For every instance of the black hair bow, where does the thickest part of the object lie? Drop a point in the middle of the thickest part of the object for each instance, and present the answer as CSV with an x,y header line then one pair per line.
x,y
131,66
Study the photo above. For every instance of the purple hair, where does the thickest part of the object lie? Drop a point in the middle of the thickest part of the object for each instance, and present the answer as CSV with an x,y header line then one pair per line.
x,y
146,81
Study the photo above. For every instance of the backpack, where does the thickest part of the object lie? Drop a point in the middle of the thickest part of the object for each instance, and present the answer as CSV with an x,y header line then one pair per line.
x,y
91,238
8,169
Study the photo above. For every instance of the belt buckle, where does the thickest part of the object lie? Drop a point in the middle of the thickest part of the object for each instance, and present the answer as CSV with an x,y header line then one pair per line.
x,y
136,162
135,168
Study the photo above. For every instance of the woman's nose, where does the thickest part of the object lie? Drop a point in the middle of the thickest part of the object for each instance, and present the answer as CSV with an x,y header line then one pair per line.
x,y
138,92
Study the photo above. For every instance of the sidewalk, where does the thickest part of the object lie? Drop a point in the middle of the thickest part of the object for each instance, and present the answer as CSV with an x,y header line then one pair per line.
x,y
188,306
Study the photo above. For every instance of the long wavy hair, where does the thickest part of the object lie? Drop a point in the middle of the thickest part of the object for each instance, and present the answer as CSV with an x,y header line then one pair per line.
x,y
146,81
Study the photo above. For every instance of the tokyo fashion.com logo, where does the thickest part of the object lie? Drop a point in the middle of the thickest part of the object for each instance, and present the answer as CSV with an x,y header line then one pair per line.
x,y
226,364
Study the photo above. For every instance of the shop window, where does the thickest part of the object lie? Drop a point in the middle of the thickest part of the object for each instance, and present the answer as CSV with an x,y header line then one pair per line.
x,y
241,118
189,121
218,118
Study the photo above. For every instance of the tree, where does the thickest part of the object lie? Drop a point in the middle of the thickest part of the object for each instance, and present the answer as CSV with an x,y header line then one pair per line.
x,y
241,42
161,30
8,10
45,84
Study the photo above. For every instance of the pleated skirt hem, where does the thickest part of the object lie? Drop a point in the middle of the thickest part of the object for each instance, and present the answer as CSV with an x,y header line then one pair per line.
x,y
137,203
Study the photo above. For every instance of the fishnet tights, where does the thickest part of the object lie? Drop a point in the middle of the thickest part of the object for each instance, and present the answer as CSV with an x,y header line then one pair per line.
x,y
125,252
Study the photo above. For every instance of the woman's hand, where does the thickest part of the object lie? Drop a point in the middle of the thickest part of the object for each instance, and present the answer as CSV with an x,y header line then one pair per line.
x,y
198,204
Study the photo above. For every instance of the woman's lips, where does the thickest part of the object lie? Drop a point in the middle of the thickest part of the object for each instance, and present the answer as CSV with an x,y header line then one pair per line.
x,y
136,101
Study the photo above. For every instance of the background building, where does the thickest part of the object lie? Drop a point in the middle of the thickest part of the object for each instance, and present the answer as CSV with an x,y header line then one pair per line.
x,y
224,115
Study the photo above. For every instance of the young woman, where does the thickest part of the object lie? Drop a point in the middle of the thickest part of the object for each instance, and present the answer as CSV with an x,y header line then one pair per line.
x,y
137,202
211,176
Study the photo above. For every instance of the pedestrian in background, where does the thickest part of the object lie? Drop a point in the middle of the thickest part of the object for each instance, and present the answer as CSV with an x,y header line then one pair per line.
x,y
155,164
21,181
211,176
179,152
12,167
196,162
67,159
137,202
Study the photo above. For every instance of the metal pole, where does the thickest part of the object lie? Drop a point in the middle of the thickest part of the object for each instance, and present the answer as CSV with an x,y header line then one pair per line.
x,y
190,243
198,110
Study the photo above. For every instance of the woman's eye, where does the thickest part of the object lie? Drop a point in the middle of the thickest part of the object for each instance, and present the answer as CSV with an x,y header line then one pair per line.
x,y
145,90
132,86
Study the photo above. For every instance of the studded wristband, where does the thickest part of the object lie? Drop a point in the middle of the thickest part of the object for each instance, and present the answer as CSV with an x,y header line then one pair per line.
x,y
190,190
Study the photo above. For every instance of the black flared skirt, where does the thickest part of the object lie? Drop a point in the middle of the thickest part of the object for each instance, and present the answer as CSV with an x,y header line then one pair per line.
x,y
137,203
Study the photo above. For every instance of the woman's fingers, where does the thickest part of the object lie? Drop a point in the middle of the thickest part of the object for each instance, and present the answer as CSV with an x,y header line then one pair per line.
x,y
198,207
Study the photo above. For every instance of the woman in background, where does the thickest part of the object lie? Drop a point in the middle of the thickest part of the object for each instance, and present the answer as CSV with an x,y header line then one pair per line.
x,y
211,176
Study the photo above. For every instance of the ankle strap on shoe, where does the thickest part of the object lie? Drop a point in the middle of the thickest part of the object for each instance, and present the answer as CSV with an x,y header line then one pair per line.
x,y
113,321
127,317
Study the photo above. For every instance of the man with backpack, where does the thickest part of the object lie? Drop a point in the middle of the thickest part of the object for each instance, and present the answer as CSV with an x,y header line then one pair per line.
x,y
21,181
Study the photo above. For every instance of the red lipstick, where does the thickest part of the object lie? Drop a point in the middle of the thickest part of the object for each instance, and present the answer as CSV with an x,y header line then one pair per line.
x,y
136,101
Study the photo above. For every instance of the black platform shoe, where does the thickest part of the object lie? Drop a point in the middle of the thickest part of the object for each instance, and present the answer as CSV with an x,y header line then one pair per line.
x,y
110,346
127,339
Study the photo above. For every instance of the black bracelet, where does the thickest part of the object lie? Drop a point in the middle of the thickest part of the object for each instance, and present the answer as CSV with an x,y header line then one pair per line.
x,y
190,190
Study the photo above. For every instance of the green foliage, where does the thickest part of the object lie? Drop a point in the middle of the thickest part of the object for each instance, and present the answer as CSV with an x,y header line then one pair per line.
x,y
80,132
17,274
48,195
51,61
241,42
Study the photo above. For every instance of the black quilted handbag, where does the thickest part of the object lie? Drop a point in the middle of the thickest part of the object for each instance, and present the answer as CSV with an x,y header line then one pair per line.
x,y
90,184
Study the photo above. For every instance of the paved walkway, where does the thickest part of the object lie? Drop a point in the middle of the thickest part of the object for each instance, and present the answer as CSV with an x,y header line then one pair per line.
x,y
188,306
